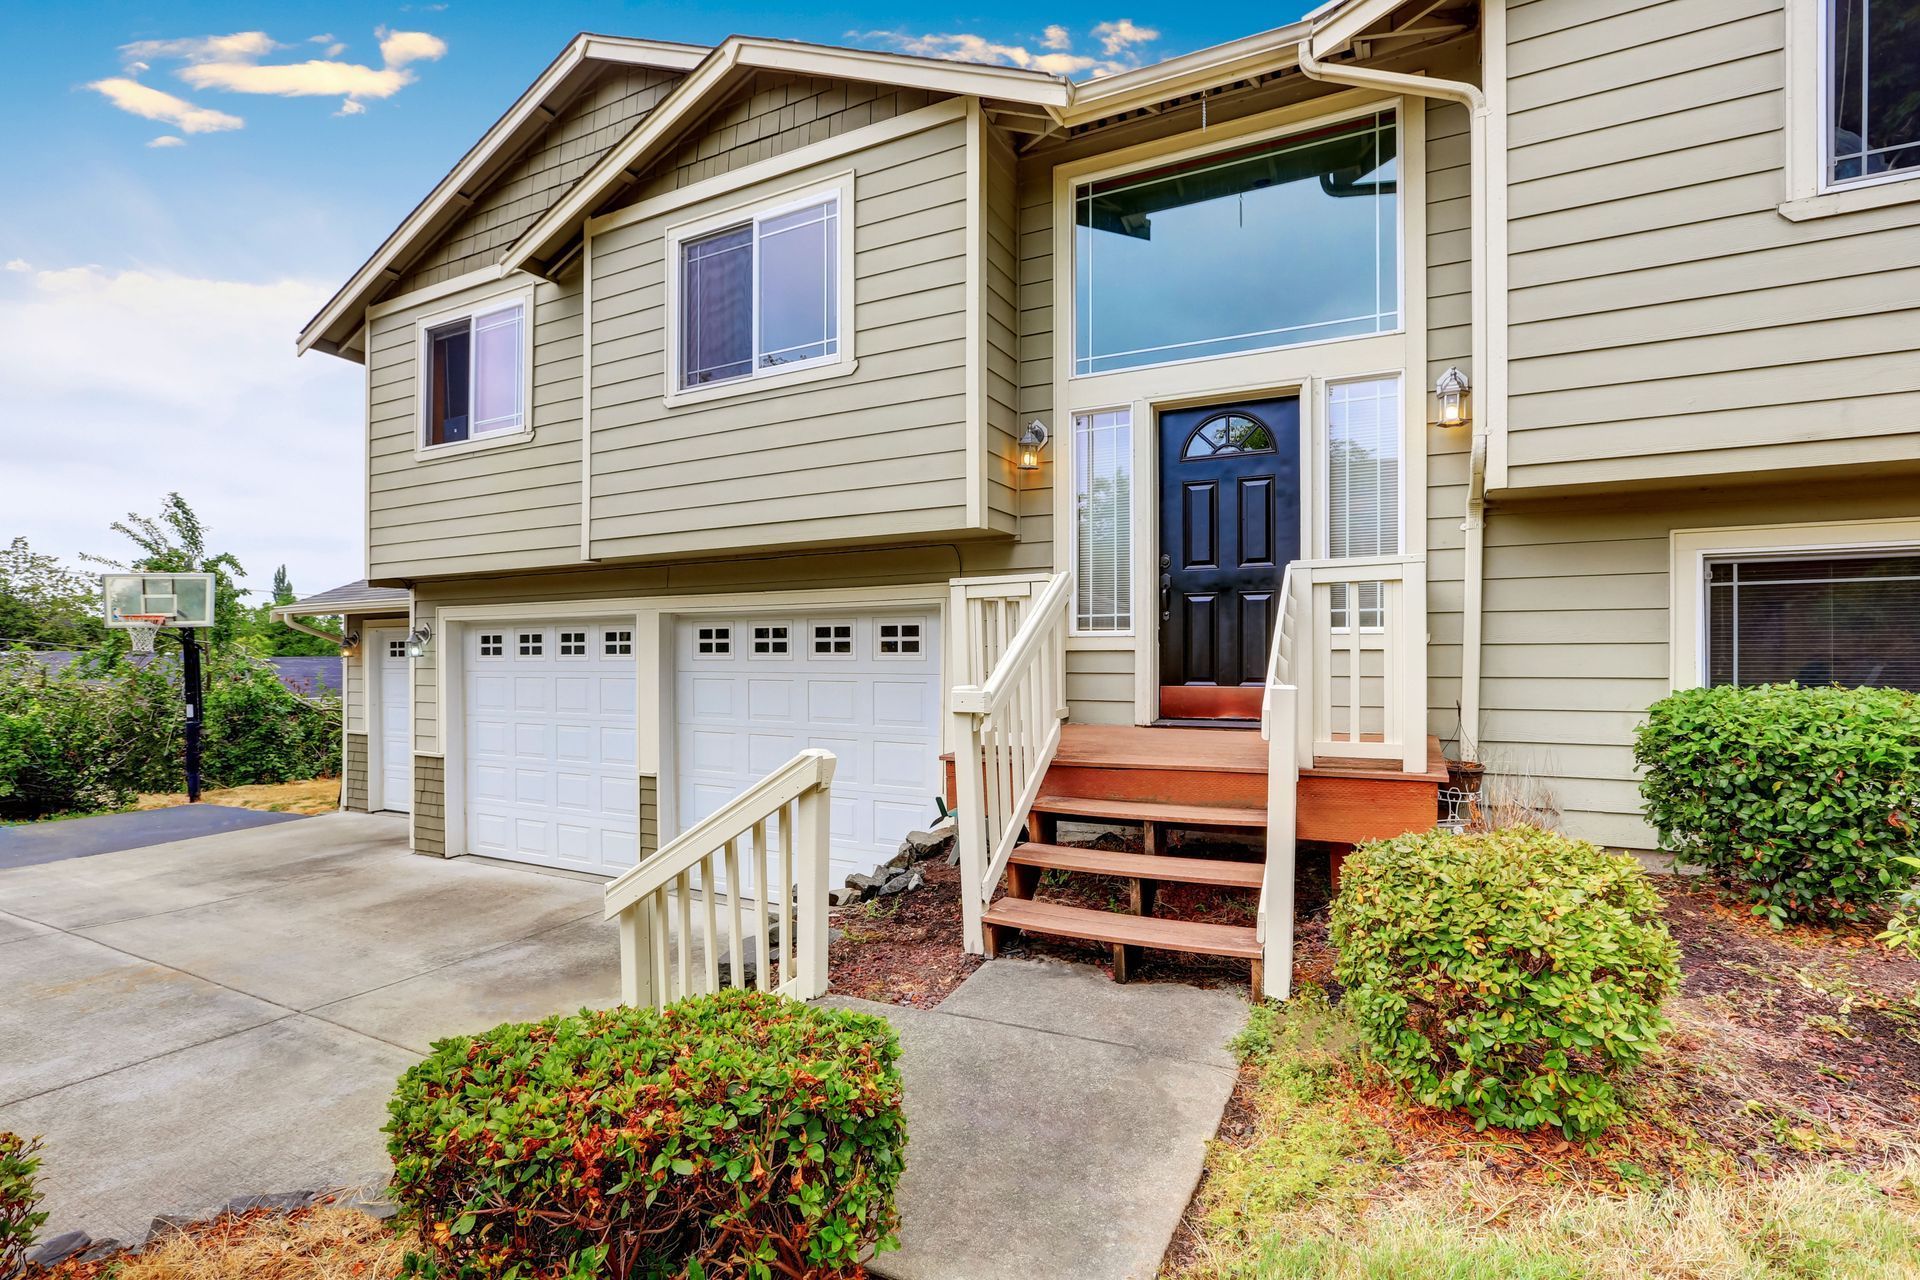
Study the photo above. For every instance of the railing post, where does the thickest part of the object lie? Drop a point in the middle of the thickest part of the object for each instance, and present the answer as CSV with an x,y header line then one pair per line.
x,y
1283,789
809,928
1413,667
970,827
636,957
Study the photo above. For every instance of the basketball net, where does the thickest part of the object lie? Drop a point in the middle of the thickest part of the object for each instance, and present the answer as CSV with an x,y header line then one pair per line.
x,y
143,629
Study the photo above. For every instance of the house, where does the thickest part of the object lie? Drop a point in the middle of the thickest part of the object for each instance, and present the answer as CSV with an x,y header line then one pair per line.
x,y
1420,377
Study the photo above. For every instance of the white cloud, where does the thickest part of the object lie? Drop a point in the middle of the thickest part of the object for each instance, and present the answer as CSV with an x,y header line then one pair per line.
x,y
168,140
19,264
351,107
153,104
314,78
241,44
1117,37
201,393
335,50
398,48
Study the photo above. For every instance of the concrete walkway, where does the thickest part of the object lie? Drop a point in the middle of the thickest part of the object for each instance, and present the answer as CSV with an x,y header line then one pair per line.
x,y
1057,1122
227,1016
34,843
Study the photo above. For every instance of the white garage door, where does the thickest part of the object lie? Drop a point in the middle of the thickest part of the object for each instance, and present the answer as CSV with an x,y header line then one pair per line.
x,y
750,692
551,768
396,721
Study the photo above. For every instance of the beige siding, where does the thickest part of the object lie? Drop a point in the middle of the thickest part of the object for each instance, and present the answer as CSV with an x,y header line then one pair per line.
x,y
430,805
776,114
353,680
1576,628
515,506
879,454
1666,320
649,814
1000,328
1449,342
353,778
604,112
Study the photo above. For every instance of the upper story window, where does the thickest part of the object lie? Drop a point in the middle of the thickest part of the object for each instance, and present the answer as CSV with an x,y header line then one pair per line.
x,y
762,296
1872,89
475,382
1273,243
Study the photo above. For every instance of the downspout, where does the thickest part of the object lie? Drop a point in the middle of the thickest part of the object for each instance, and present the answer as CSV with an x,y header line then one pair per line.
x,y
1474,527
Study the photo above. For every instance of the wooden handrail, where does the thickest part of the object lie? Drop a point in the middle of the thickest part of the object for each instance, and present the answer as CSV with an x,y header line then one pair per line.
x,y
993,693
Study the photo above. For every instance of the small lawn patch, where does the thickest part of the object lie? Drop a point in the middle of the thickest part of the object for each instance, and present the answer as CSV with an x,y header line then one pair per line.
x,y
315,795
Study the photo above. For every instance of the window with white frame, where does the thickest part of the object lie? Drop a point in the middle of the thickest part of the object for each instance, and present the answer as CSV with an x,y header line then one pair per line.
x,y
1363,482
1267,244
475,382
1829,617
1870,89
1103,520
762,296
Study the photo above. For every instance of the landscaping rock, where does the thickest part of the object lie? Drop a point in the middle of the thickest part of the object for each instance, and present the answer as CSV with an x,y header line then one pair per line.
x,y
926,844
100,1249
60,1248
169,1223
841,896
862,884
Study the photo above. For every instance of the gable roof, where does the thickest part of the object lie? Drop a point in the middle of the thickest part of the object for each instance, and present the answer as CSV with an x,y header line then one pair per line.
x,y
332,329
353,597
732,61
711,73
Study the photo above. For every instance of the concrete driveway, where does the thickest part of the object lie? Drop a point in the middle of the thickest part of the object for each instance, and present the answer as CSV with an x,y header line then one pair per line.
x,y
227,1015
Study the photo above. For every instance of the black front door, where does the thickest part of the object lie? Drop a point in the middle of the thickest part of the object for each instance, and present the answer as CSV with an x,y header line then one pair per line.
x,y
1229,523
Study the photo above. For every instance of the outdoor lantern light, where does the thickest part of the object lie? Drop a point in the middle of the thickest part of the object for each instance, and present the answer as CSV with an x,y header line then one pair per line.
x,y
350,643
417,641
1451,392
1032,441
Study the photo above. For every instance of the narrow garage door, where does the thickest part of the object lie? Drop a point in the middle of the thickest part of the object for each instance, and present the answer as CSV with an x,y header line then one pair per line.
x,y
551,767
396,723
750,692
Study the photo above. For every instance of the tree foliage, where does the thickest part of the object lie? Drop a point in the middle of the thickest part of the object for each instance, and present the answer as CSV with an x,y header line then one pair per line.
x,y
44,604
175,541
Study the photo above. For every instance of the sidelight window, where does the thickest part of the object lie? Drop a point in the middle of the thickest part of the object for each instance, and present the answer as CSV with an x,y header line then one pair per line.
x,y
1103,520
1363,482
1270,244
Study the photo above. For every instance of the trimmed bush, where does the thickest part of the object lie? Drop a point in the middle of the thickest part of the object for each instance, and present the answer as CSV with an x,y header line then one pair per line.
x,y
1804,800
737,1134
20,1215
1513,974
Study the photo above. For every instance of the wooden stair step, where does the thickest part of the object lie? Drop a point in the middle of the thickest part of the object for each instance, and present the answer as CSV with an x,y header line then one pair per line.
x,y
1171,815
1063,921
1141,866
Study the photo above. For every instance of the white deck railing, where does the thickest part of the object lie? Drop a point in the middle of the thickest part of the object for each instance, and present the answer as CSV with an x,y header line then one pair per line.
x,y
767,852
1353,640
1006,723
1279,717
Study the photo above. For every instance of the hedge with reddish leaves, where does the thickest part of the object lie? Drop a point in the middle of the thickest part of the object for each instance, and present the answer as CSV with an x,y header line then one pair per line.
x,y
732,1135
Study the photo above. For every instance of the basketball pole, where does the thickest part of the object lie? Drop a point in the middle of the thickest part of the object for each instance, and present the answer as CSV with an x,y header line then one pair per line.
x,y
190,673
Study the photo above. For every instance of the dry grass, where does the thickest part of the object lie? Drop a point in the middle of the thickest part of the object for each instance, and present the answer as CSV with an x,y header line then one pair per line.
x,y
316,795
309,1244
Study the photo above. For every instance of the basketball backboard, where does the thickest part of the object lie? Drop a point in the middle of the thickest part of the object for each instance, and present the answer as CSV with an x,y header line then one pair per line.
x,y
183,599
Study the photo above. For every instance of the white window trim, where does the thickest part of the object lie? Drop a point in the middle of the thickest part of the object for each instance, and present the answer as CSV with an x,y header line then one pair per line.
x,y
838,365
422,451
1069,178
1809,194
1693,548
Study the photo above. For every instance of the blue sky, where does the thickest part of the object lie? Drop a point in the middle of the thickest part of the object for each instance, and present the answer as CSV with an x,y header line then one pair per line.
x,y
187,182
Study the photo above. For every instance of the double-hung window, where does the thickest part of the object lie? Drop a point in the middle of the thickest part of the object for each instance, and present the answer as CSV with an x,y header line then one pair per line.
x,y
1871,90
761,296
475,382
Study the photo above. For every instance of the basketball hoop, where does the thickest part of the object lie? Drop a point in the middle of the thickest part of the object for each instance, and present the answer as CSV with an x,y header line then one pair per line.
x,y
143,629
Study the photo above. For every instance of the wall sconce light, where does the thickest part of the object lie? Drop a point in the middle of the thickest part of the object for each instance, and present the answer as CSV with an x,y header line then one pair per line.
x,y
418,639
350,644
1451,392
1032,441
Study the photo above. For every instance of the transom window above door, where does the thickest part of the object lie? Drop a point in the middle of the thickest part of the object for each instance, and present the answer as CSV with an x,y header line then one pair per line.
x,y
1846,618
1871,89
474,382
760,296
1269,244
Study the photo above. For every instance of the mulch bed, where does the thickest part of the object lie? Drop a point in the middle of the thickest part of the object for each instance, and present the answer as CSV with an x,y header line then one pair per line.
x,y
906,949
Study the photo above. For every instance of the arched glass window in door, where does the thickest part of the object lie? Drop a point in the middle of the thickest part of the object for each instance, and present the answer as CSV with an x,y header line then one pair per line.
x,y
1226,434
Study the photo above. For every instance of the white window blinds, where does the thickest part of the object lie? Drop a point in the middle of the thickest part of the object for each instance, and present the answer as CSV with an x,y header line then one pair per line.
x,y
1103,520
1363,480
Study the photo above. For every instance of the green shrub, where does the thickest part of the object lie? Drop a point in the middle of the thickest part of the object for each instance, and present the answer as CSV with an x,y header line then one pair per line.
x,y
257,731
19,1216
1803,799
1903,927
1512,974
738,1134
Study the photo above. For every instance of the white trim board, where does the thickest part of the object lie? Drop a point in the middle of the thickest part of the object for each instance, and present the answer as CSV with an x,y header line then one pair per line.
x,y
1690,549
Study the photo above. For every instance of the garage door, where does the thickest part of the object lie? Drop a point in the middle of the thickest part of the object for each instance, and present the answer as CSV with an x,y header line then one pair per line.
x,y
552,774
396,721
750,692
